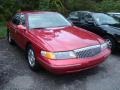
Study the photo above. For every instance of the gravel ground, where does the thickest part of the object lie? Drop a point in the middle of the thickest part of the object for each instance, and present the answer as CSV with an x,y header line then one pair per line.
x,y
16,75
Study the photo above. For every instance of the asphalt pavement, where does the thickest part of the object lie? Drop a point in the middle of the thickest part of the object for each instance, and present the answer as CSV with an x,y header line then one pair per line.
x,y
15,74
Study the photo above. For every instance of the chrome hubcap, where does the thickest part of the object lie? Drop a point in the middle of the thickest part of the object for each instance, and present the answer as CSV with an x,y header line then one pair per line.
x,y
31,58
109,43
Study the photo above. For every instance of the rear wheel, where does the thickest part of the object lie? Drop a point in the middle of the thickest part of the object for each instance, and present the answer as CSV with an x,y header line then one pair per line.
x,y
31,59
10,40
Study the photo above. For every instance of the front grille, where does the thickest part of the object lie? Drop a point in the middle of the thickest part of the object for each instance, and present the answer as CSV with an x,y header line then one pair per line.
x,y
88,51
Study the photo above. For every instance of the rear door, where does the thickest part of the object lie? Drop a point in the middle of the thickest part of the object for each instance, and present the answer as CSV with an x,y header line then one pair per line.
x,y
21,34
18,35
13,26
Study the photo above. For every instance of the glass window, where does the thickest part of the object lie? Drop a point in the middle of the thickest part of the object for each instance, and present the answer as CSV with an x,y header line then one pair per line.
x,y
102,18
74,15
47,20
22,17
16,19
88,17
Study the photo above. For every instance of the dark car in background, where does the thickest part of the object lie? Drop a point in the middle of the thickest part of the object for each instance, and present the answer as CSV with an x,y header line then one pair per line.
x,y
99,23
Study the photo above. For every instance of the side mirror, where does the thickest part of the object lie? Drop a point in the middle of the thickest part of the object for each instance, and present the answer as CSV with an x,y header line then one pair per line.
x,y
21,27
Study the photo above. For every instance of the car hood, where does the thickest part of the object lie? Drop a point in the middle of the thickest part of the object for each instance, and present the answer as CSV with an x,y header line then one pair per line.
x,y
111,28
116,26
65,38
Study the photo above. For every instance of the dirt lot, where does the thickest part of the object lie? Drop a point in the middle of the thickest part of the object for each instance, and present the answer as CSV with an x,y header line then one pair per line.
x,y
16,75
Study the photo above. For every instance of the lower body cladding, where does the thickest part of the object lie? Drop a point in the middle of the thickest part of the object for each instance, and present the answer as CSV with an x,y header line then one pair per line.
x,y
74,65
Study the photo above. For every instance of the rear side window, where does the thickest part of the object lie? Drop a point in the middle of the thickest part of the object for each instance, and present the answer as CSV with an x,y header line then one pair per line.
x,y
22,20
18,19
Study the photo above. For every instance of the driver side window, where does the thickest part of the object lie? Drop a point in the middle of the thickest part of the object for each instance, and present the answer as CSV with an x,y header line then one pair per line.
x,y
74,15
88,18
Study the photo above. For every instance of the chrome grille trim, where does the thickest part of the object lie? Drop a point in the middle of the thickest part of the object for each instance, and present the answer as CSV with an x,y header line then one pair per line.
x,y
88,51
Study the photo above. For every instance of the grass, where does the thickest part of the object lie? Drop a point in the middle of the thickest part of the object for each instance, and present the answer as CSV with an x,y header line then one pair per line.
x,y
3,30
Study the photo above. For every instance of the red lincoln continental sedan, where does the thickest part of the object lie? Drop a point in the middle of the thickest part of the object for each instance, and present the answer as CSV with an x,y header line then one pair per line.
x,y
54,43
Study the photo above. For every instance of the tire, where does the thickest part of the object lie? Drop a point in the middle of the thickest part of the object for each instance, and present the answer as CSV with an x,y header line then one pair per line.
x,y
10,40
112,43
32,62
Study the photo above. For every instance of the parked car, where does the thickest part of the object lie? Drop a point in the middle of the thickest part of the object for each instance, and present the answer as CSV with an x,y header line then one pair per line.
x,y
99,23
115,15
52,42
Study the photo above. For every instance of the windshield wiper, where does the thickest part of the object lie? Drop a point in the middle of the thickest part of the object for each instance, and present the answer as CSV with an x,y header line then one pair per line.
x,y
39,28
63,26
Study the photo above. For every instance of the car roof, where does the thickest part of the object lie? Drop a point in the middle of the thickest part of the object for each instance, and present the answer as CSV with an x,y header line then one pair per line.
x,y
84,11
90,12
35,12
113,13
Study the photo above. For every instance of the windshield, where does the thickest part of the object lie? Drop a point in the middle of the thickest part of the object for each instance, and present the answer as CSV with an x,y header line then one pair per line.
x,y
47,20
102,19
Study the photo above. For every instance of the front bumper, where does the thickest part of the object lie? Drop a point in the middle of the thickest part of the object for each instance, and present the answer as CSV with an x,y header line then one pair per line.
x,y
74,65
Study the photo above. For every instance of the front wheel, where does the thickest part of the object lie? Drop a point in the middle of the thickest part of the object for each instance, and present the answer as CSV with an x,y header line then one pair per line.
x,y
31,59
111,43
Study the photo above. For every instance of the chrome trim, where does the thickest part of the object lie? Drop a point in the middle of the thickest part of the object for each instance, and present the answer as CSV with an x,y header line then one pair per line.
x,y
86,48
88,51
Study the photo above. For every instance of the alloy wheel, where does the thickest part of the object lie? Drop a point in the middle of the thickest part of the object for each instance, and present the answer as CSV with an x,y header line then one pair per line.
x,y
109,43
31,58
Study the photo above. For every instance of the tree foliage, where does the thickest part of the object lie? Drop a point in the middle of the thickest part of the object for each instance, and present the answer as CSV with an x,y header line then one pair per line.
x,y
9,7
108,6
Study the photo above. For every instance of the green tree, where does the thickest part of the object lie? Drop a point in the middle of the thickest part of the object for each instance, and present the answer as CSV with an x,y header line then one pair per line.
x,y
9,7
108,6
57,5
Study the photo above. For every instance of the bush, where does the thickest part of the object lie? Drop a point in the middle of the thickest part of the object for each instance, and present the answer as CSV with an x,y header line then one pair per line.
x,y
3,30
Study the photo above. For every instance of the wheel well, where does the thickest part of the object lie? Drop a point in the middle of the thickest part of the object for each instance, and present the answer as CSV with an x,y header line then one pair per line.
x,y
27,45
110,36
7,31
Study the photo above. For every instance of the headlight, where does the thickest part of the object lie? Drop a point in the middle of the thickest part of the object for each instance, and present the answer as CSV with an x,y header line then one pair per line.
x,y
58,55
104,46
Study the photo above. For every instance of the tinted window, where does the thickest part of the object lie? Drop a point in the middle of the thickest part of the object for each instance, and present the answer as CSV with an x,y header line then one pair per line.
x,y
16,19
102,18
85,17
74,15
22,19
88,17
